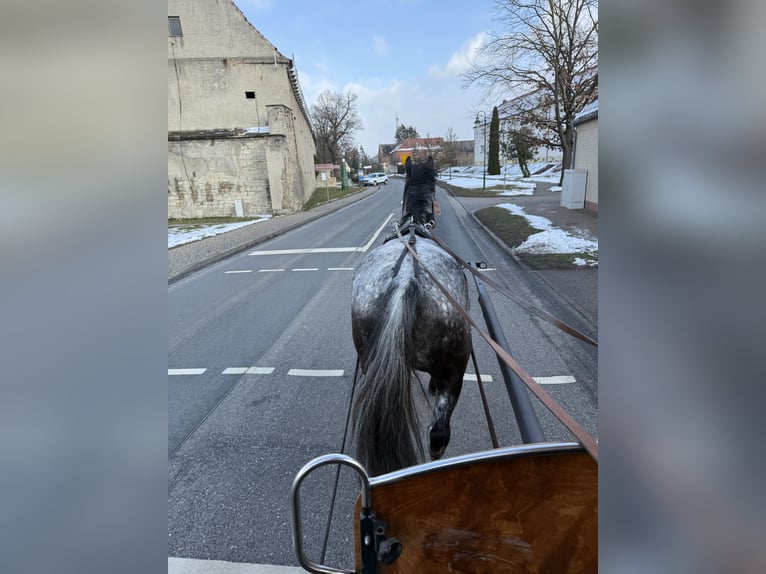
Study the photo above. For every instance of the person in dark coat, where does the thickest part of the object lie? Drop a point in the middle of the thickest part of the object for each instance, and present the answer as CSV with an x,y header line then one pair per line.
x,y
419,191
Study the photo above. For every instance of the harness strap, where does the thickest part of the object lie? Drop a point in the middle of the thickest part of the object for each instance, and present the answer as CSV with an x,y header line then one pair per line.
x,y
527,306
587,441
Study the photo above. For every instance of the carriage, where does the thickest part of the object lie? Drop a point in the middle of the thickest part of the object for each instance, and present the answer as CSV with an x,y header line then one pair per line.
x,y
525,508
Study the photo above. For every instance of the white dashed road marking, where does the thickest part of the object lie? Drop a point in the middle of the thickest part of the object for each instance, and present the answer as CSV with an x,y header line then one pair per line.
x,y
558,380
234,371
555,380
315,372
248,370
269,270
473,377
307,269
186,371
340,268
241,271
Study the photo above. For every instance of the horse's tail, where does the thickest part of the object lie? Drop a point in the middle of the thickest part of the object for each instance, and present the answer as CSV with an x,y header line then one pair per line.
x,y
385,419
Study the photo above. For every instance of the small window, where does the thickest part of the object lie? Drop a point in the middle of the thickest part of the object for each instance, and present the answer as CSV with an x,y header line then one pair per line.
x,y
250,95
174,26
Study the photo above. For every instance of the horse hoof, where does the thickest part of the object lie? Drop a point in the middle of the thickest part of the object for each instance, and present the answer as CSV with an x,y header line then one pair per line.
x,y
438,441
436,455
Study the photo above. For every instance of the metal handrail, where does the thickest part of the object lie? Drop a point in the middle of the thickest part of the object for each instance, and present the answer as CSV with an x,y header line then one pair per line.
x,y
307,469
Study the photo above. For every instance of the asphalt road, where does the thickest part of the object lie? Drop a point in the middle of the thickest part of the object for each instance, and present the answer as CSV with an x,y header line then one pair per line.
x,y
261,366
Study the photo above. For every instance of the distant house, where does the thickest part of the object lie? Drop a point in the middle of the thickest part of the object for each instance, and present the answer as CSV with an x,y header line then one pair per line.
x,y
384,156
586,151
464,152
240,140
510,112
417,149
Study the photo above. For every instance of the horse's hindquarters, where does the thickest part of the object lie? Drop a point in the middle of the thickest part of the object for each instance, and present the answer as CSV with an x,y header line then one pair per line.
x,y
402,322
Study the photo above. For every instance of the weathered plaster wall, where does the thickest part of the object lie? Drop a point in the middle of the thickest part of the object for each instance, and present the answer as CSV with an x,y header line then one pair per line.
x,y
223,145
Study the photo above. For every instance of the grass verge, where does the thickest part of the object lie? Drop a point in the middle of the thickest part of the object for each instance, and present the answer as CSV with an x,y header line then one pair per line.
x,y
461,192
513,230
322,195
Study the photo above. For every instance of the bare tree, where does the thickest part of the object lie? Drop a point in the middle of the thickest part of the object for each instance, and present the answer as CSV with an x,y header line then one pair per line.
x,y
547,51
450,147
335,120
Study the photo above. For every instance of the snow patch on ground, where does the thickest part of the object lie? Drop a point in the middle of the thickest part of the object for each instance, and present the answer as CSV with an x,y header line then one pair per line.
x,y
552,239
186,233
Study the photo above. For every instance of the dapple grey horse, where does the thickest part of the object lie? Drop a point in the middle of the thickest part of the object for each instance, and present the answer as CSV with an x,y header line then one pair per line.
x,y
402,322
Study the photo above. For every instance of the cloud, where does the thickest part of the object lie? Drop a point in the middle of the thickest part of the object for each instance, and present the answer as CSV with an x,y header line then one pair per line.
x,y
430,111
460,60
380,46
312,86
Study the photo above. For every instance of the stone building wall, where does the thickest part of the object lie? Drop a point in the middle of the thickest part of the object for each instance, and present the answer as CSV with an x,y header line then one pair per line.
x,y
220,173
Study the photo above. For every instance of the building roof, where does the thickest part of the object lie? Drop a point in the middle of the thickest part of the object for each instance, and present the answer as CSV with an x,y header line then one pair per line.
x,y
589,112
413,144
523,103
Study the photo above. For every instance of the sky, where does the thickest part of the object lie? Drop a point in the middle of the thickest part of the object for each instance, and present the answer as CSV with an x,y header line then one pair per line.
x,y
401,57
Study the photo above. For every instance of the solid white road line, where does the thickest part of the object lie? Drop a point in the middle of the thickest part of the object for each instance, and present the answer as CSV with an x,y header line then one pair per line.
x,y
558,380
363,248
375,236
303,251
315,372
197,566
186,371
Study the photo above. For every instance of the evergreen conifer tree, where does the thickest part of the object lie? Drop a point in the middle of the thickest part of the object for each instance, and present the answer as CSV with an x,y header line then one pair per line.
x,y
493,151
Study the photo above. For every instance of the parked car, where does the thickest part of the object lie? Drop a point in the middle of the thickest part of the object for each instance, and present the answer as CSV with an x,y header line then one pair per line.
x,y
375,178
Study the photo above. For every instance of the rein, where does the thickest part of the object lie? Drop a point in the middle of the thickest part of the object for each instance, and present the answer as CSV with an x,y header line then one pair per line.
x,y
588,442
527,306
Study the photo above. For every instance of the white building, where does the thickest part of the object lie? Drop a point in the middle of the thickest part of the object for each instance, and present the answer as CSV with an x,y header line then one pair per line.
x,y
586,151
509,112
240,140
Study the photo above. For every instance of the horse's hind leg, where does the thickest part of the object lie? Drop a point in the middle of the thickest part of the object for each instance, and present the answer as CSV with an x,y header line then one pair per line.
x,y
447,392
